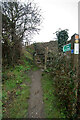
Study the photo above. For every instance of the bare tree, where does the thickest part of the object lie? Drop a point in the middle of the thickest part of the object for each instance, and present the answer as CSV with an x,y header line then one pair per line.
x,y
19,21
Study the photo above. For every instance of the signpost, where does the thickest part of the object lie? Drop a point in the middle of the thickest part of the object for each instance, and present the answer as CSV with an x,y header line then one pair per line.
x,y
67,47
76,48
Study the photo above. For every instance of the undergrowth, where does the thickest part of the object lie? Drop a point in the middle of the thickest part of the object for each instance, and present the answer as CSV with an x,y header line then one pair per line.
x,y
64,87
15,90
50,102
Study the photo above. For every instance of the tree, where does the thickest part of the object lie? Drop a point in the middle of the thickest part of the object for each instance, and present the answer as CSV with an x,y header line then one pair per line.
x,y
62,37
19,21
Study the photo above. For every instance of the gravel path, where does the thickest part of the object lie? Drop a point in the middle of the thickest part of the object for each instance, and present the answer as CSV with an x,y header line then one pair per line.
x,y
35,109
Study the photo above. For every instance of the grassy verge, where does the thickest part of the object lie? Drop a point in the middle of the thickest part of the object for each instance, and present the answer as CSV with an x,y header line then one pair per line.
x,y
50,103
16,84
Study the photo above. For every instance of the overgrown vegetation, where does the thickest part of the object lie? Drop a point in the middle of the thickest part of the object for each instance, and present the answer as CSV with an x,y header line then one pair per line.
x,y
16,83
63,84
50,101
20,21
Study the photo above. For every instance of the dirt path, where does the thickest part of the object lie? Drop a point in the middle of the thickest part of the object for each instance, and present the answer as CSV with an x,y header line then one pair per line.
x,y
35,109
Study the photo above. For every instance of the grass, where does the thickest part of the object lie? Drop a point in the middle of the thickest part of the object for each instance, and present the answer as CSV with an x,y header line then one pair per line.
x,y
35,67
20,103
16,91
27,54
16,87
50,103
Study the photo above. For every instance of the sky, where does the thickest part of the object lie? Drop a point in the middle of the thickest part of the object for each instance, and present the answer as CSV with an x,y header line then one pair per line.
x,y
57,14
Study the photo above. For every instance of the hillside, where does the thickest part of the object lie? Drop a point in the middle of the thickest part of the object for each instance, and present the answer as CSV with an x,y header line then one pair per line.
x,y
52,47
40,50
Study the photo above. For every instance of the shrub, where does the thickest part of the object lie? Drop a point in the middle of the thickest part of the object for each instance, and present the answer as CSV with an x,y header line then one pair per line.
x,y
63,84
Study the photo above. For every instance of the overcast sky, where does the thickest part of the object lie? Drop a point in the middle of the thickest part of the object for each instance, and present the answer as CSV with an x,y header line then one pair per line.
x,y
57,14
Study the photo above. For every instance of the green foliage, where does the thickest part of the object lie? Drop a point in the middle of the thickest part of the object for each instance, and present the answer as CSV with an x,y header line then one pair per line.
x,y
19,81
50,101
64,87
47,70
62,37
16,91
28,55
19,106
23,85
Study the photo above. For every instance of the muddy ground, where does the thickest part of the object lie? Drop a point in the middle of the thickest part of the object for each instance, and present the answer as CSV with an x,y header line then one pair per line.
x,y
36,105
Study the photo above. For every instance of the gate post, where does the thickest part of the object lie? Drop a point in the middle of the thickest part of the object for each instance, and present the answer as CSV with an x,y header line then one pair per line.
x,y
75,61
46,55
78,86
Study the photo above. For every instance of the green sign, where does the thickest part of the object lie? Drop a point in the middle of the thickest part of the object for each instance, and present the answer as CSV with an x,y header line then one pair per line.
x,y
67,47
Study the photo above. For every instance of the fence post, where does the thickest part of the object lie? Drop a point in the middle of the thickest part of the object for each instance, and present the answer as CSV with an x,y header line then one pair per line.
x,y
75,62
78,87
78,100
46,55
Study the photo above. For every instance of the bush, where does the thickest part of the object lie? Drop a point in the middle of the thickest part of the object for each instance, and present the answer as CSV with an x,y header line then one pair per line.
x,y
63,84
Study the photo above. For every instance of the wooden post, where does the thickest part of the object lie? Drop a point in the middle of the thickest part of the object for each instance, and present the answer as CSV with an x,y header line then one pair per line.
x,y
46,55
75,62
78,85
0,62
25,45
78,92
